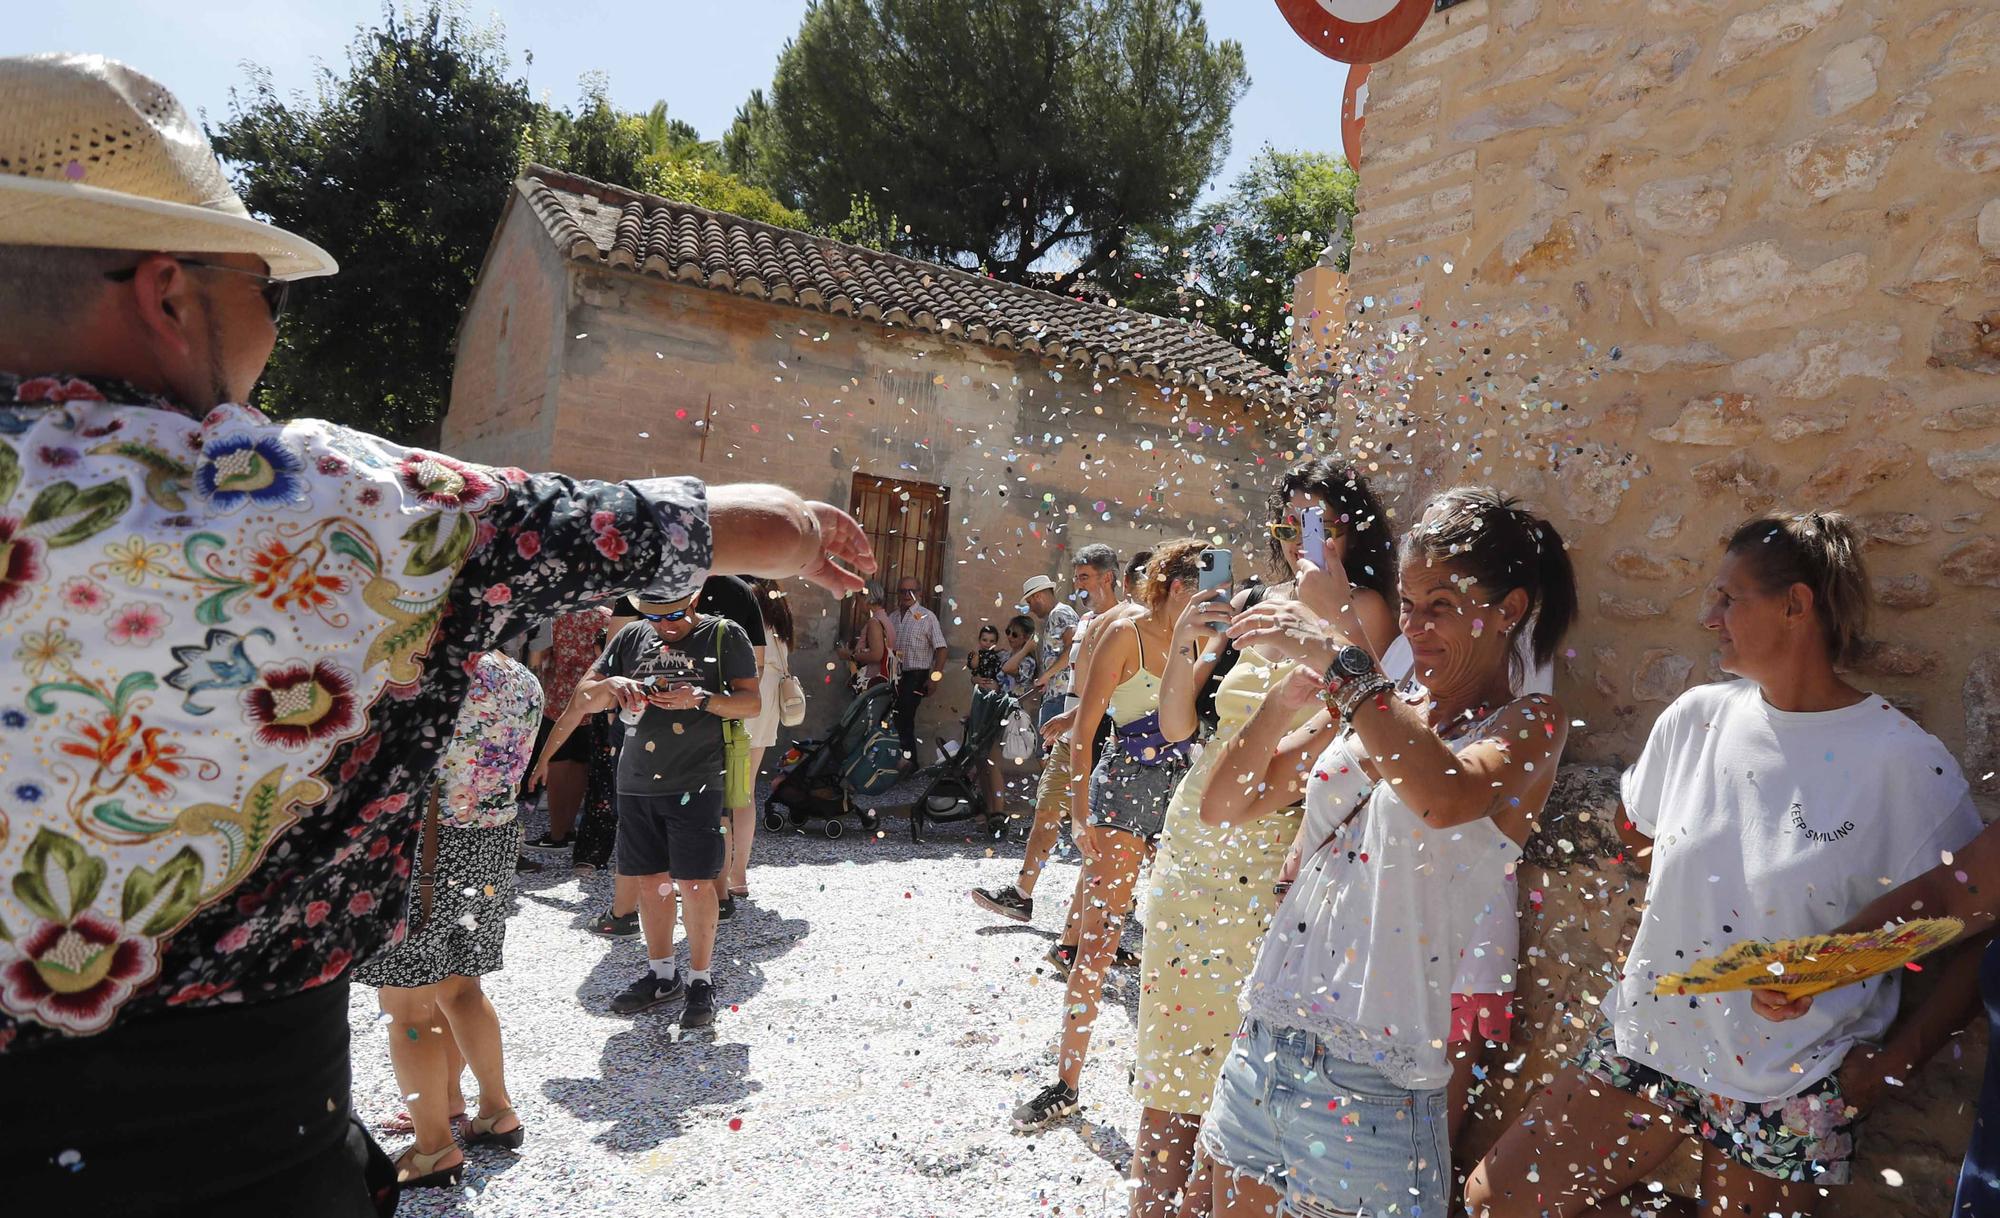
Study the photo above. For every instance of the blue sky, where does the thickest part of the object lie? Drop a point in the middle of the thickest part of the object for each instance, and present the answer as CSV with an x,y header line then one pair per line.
x,y
701,56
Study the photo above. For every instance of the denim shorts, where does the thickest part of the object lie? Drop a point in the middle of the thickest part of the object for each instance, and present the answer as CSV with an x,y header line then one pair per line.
x,y
1330,1136
1130,795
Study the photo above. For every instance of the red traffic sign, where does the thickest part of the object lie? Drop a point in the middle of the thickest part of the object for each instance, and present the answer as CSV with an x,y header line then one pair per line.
x,y
1354,112
1356,31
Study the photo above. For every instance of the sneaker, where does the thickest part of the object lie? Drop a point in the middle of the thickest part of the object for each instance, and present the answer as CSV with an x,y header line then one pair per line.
x,y
525,865
1060,957
613,927
700,1009
545,842
725,909
1051,1104
647,991
1006,901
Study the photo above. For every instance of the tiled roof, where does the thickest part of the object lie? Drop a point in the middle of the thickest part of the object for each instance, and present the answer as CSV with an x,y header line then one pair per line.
x,y
624,230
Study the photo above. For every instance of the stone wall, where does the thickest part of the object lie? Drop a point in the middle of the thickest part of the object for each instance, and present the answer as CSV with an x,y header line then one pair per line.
x,y
1678,261
664,378
1657,266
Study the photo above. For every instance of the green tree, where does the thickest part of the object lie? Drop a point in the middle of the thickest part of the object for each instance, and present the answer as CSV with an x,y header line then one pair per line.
x,y
1230,264
997,134
398,166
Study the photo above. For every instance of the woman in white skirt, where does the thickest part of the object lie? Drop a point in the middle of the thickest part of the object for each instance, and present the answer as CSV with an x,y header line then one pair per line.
x,y
778,628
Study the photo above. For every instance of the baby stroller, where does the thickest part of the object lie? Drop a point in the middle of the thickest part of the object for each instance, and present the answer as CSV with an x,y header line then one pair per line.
x,y
822,777
953,789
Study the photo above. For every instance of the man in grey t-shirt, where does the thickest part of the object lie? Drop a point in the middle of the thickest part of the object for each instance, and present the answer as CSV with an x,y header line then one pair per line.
x,y
678,678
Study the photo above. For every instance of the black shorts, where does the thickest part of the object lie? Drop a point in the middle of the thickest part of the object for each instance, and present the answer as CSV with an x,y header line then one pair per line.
x,y
678,835
576,748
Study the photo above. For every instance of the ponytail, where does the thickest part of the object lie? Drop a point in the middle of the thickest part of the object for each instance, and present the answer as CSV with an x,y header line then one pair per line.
x,y
1821,550
1502,546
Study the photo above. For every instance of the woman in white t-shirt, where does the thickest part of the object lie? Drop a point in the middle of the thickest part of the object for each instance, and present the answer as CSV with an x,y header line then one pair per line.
x,y
1774,806
1332,1099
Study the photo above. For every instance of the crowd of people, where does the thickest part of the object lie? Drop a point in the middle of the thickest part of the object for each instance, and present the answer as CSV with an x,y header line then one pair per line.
x,y
1325,781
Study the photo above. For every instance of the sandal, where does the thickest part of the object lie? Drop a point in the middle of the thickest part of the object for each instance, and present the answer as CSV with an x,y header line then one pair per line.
x,y
479,1131
403,1124
423,1170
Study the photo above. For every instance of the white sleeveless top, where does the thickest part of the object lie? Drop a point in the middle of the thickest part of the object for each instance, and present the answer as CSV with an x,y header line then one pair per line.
x,y
1364,948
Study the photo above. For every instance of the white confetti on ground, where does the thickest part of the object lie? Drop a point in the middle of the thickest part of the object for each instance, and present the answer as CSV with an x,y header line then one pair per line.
x,y
880,1042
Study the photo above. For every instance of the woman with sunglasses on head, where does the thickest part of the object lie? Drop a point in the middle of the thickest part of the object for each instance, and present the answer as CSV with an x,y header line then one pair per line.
x,y
1773,806
1413,807
1209,895
1124,793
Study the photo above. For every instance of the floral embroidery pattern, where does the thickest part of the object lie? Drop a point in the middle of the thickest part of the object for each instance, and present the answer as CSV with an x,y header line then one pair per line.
x,y
262,470
20,562
294,705
273,648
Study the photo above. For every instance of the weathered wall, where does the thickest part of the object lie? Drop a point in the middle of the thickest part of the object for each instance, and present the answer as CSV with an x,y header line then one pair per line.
x,y
508,359
1662,264
1039,459
1752,251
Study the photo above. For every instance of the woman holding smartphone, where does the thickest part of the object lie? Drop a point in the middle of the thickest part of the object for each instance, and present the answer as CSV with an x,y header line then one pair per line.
x,y
1210,888
1124,793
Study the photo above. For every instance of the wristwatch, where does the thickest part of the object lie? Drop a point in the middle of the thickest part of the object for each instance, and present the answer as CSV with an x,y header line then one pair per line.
x,y
1349,664
701,697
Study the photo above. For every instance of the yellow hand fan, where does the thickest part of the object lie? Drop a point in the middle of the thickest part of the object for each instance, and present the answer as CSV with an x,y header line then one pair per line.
x,y
1812,964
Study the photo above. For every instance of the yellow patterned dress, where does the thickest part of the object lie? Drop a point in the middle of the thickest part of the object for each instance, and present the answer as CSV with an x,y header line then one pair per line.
x,y
1205,909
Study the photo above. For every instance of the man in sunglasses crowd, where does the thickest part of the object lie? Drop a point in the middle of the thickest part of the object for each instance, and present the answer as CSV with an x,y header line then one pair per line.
x,y
257,636
675,678
920,651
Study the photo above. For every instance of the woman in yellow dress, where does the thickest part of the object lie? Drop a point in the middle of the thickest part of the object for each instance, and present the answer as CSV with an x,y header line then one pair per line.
x,y
1210,894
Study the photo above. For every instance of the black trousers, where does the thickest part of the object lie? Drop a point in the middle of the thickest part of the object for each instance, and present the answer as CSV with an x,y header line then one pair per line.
x,y
910,691
224,1110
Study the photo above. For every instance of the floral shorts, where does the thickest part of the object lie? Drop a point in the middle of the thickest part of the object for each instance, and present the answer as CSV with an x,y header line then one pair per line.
x,y
1808,1136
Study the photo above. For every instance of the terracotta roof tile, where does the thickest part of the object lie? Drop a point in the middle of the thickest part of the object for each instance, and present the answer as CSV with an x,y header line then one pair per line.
x,y
623,230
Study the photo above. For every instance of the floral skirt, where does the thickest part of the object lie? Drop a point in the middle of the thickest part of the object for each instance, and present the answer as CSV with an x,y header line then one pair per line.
x,y
468,924
1804,1137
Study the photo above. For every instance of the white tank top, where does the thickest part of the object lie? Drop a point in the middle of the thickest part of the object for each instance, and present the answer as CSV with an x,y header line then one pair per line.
x,y
1364,948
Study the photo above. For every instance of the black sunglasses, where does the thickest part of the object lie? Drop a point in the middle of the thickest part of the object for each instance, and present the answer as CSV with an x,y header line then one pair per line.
x,y
674,616
275,291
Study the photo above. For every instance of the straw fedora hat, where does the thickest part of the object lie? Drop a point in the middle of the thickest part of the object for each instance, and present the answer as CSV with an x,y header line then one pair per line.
x,y
94,154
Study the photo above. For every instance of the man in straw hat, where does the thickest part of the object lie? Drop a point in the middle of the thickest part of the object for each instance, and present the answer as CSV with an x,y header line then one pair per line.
x,y
235,651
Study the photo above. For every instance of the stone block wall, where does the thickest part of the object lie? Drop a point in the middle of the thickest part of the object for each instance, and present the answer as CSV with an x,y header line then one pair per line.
x,y
1657,266
1660,265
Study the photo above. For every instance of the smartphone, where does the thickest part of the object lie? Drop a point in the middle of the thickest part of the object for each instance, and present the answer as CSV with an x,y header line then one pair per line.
x,y
1312,536
1215,572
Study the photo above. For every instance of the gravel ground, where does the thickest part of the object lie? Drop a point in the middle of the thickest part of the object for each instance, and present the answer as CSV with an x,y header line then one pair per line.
x,y
876,1029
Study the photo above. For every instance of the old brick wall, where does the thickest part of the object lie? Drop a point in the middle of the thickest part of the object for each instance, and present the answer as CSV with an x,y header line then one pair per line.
x,y
1039,459
1662,264
507,360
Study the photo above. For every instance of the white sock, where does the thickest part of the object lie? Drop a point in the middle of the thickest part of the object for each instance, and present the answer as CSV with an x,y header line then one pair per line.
x,y
698,974
1022,893
663,969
